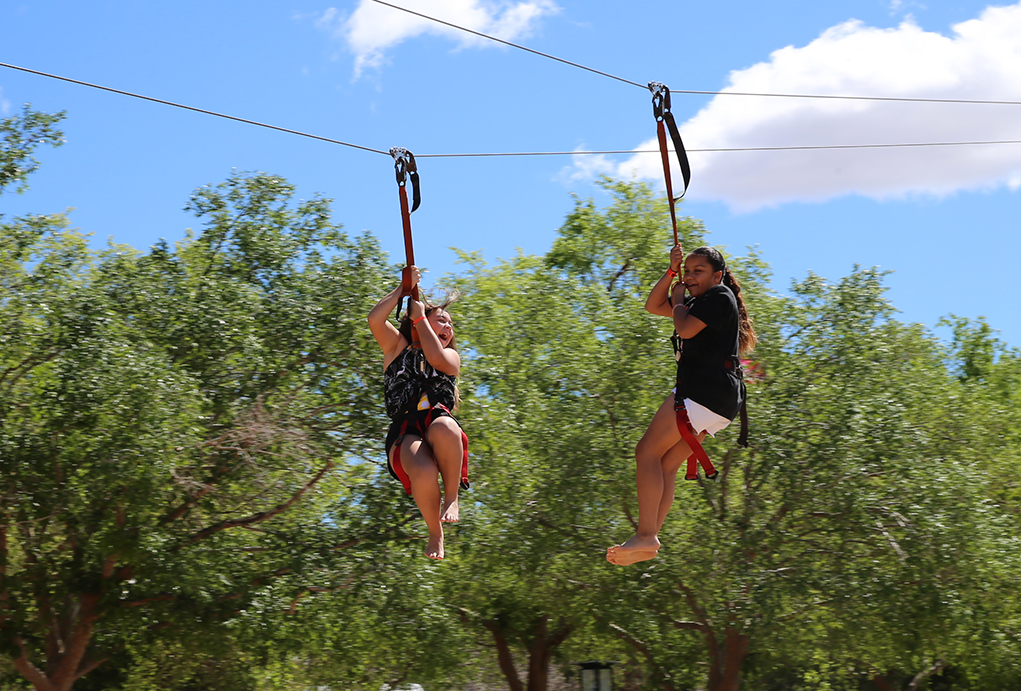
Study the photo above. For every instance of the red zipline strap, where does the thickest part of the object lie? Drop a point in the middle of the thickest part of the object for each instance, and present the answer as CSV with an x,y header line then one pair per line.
x,y
697,452
405,167
664,122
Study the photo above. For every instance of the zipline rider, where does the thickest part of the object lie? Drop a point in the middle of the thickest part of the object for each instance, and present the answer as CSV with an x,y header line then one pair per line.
x,y
712,329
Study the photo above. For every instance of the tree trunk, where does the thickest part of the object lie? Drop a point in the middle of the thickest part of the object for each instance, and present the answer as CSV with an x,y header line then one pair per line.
x,y
66,660
726,660
540,651
503,656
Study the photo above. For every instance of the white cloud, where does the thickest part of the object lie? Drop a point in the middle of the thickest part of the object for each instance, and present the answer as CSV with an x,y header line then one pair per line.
x,y
981,60
587,167
5,105
372,28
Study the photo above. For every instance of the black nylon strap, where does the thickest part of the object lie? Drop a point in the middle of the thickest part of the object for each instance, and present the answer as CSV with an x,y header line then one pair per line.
x,y
682,155
416,191
661,109
742,440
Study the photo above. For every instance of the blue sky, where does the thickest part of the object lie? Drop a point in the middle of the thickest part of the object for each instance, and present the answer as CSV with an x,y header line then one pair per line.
x,y
945,220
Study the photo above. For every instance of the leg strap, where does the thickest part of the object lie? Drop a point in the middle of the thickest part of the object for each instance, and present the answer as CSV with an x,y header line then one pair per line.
x,y
697,452
396,467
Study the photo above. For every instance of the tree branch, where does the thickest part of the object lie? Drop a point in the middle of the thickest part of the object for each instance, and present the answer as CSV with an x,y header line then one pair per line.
x,y
503,655
207,487
34,675
642,648
258,517
936,668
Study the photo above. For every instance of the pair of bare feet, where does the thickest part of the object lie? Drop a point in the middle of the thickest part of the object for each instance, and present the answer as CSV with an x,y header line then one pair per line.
x,y
449,514
636,549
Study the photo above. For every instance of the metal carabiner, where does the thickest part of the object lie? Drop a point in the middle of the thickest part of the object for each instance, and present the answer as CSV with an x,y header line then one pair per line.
x,y
660,99
404,163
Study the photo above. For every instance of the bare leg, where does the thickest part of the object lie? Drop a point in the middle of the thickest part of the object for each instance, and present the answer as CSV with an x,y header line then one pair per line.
x,y
659,439
448,449
418,463
672,462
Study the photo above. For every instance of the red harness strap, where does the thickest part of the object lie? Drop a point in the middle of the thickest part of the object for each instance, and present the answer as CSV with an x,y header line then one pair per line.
x,y
398,467
697,452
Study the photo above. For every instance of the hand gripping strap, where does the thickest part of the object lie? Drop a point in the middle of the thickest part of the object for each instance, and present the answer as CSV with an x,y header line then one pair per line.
x,y
697,452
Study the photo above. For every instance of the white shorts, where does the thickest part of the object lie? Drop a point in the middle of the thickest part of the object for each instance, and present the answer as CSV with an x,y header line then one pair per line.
x,y
702,419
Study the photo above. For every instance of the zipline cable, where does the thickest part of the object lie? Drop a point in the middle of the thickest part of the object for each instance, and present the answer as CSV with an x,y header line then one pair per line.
x,y
821,147
512,45
194,109
329,140
692,91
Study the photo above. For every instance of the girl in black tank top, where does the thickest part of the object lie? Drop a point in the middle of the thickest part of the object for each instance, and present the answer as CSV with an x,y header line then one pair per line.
x,y
425,446
711,330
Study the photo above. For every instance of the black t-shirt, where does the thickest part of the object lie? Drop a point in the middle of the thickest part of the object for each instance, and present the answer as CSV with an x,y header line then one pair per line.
x,y
702,373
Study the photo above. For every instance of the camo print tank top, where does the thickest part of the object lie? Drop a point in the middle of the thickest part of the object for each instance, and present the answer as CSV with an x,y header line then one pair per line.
x,y
411,383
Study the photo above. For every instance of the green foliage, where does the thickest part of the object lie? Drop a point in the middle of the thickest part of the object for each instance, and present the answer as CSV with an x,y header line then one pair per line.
x,y
856,522
190,440
20,135
181,428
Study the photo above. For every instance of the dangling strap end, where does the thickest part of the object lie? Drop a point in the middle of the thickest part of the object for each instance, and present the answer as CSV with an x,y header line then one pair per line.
x,y
742,440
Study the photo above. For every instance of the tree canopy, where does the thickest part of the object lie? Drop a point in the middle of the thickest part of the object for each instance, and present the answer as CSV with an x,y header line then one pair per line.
x,y
195,493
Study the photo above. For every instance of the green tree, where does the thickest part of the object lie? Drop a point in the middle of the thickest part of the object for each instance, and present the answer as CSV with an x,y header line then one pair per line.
x,y
837,530
20,135
182,428
558,383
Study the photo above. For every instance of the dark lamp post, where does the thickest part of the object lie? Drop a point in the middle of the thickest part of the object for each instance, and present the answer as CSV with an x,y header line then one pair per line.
x,y
596,675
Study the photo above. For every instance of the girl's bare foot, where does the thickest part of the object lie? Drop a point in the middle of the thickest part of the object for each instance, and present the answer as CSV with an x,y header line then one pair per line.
x,y
629,557
434,549
450,513
636,549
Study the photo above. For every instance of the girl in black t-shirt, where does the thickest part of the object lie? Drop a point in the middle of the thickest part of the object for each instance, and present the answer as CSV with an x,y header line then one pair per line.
x,y
712,329
424,445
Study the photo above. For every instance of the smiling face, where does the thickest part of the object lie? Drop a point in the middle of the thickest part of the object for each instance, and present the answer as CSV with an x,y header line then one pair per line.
x,y
443,326
699,275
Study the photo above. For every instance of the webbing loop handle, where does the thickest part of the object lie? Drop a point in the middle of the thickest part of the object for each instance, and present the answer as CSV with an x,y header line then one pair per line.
x,y
665,123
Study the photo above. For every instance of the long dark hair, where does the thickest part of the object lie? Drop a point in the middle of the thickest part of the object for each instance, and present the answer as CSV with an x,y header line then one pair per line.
x,y
746,332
